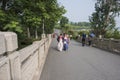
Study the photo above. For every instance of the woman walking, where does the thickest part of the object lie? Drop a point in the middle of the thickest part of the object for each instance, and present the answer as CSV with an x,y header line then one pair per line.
x,y
60,42
65,42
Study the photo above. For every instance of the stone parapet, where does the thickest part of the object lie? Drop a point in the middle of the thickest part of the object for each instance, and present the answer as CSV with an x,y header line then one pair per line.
x,y
10,41
2,44
25,64
15,66
4,69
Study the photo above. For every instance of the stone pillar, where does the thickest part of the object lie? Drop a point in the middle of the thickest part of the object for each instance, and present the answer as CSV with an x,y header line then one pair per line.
x,y
2,44
11,44
4,61
100,36
43,36
49,38
110,44
15,66
11,41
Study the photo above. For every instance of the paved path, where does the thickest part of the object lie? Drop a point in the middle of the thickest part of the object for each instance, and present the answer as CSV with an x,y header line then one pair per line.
x,y
80,63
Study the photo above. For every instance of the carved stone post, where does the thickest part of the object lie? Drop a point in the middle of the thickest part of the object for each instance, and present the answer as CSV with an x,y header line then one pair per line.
x,y
11,44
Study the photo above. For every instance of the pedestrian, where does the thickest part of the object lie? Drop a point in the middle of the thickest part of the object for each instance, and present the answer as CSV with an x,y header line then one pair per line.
x,y
89,40
65,42
83,39
60,42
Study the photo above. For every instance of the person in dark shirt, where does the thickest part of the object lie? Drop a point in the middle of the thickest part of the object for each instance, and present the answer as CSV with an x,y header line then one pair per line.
x,y
89,40
83,39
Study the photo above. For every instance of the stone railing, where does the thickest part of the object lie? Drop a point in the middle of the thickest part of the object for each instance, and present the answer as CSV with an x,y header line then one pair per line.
x,y
25,64
112,45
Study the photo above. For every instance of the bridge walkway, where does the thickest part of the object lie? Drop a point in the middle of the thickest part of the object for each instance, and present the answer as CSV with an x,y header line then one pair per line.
x,y
80,63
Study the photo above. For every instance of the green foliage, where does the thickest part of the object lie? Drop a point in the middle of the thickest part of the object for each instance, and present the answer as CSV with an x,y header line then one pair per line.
x,y
57,26
81,32
13,26
115,33
103,19
66,28
73,33
27,17
24,41
2,19
63,24
80,25
32,13
87,24
2,16
63,21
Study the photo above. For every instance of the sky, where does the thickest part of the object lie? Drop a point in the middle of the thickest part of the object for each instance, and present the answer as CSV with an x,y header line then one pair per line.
x,y
80,10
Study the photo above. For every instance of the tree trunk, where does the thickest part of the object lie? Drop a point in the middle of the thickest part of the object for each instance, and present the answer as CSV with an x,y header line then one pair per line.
x,y
36,34
28,32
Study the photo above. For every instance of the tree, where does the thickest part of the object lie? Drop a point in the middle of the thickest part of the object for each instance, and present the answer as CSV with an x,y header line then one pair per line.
x,y
63,22
14,26
55,13
30,15
103,19
2,19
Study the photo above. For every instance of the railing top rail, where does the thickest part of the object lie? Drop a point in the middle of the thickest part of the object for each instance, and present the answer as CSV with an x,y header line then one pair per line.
x,y
27,51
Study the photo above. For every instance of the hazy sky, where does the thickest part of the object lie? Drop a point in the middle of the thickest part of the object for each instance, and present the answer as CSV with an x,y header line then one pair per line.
x,y
80,10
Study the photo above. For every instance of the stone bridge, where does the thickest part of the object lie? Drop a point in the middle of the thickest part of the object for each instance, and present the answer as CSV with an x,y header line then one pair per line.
x,y
42,61
25,64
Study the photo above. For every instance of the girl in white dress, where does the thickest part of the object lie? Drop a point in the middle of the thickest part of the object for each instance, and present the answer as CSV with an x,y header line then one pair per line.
x,y
60,43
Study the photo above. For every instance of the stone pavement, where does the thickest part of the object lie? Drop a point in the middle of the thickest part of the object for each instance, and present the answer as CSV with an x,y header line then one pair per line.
x,y
80,63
